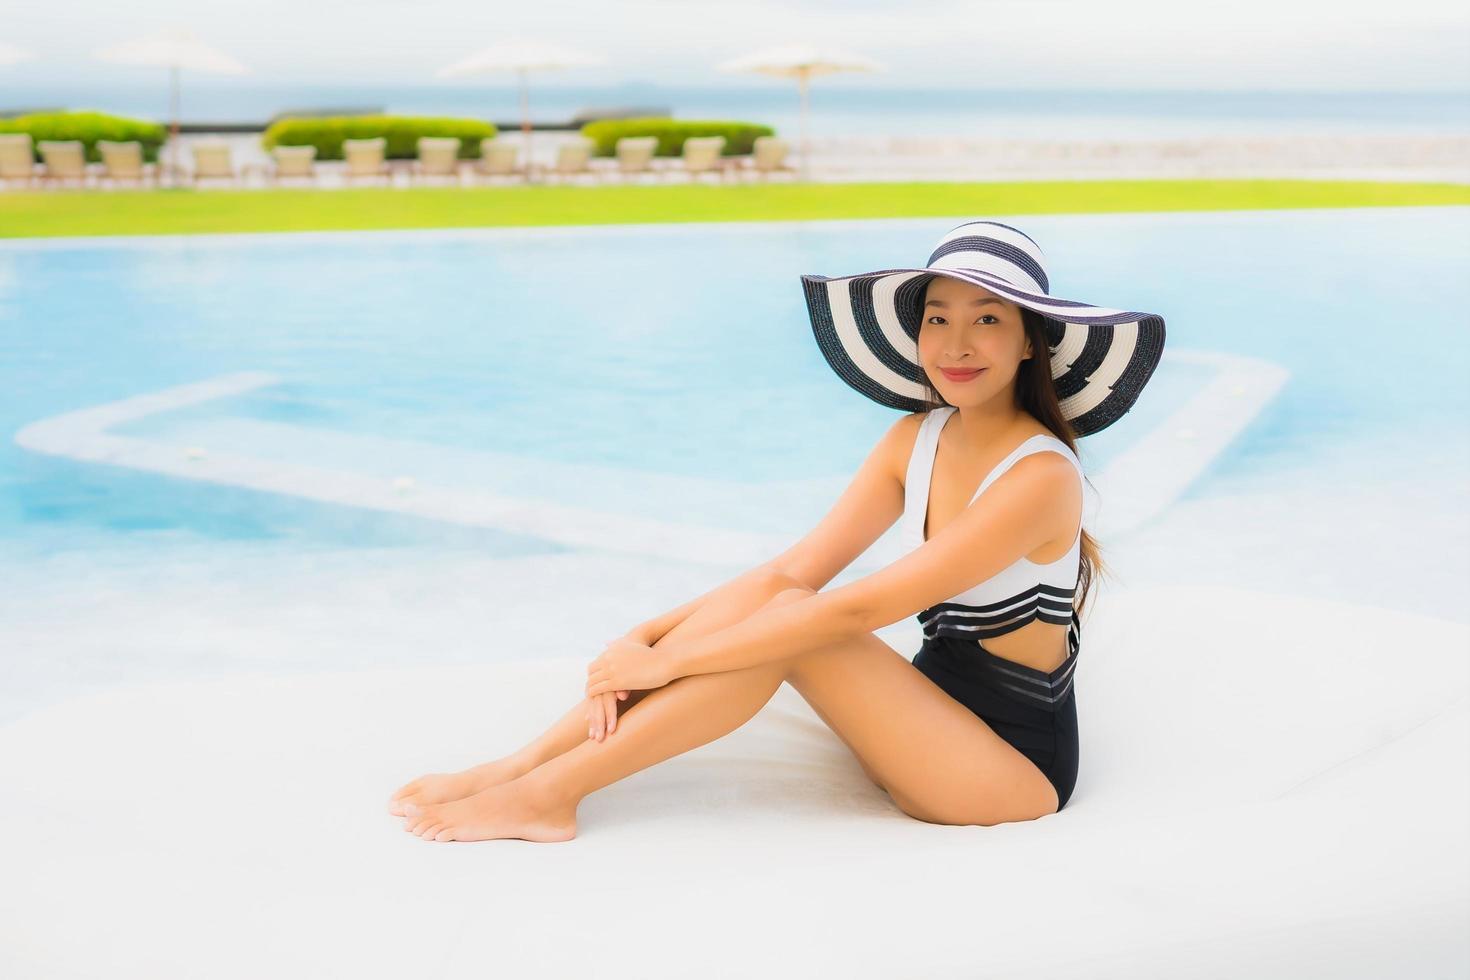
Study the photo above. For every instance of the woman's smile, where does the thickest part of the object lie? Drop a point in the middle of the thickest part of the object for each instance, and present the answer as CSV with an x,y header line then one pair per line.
x,y
956,374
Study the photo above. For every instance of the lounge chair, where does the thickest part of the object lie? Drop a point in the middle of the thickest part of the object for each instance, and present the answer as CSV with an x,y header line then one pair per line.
x,y
123,161
701,155
635,155
498,158
64,160
365,158
573,157
294,162
438,157
212,161
769,157
17,159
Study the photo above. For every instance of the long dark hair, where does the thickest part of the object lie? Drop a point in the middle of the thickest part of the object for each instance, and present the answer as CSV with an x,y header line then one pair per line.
x,y
1037,396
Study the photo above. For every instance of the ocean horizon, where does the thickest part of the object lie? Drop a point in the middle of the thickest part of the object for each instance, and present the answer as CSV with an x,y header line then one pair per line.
x,y
838,109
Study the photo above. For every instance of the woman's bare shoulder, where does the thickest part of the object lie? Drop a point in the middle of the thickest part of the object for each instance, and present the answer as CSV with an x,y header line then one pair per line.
x,y
899,441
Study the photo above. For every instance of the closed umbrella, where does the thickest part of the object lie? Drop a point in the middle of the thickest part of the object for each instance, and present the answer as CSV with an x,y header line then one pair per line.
x,y
519,55
802,62
174,50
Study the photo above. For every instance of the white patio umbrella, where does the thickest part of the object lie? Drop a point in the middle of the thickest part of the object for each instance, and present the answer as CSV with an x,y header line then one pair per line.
x,y
10,54
802,62
519,55
174,50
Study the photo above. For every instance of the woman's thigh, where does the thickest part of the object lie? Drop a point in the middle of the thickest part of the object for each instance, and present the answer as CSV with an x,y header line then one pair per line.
x,y
938,760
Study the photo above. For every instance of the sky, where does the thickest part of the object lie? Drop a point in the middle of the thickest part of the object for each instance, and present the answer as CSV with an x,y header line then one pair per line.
x,y
1306,45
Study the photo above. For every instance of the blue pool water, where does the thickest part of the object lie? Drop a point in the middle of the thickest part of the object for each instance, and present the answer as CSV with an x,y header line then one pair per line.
x,y
664,373
677,350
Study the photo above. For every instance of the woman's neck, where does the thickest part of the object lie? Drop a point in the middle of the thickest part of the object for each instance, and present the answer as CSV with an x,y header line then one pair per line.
x,y
981,427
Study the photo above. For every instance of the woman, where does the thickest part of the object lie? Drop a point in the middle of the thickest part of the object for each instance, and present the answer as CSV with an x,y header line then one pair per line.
x,y
997,379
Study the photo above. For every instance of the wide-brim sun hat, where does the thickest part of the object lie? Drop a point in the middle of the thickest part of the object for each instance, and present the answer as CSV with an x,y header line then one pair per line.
x,y
867,326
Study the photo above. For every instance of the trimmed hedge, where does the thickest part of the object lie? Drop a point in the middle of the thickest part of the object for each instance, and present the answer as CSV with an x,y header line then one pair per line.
x,y
739,137
326,133
89,127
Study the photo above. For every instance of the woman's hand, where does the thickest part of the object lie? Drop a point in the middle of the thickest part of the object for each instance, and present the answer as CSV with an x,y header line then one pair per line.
x,y
627,665
602,714
602,711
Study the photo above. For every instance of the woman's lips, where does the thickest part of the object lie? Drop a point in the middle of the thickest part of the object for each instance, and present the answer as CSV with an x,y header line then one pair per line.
x,y
961,376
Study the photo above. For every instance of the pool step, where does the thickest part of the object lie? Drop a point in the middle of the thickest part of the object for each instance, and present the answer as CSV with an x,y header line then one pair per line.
x,y
1144,478
83,435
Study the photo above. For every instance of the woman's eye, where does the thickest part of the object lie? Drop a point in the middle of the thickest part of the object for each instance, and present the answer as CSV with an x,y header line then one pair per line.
x,y
986,316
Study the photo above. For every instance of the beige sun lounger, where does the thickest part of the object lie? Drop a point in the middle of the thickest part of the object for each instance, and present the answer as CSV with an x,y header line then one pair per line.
x,y
572,158
212,161
635,155
122,160
702,155
769,157
438,156
65,160
498,158
17,158
364,158
294,162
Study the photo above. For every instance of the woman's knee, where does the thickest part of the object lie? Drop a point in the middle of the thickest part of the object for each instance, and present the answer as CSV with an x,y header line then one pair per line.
x,y
790,594
780,586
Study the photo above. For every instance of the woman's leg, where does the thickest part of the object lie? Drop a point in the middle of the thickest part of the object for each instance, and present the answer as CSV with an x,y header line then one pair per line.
x,y
682,715
742,597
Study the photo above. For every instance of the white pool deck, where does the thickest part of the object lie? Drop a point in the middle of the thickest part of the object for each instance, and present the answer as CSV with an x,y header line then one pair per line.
x,y
1266,790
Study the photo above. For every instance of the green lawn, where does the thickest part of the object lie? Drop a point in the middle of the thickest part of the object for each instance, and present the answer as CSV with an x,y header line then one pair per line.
x,y
151,212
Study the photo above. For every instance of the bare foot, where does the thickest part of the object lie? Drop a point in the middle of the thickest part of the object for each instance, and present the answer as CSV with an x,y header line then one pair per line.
x,y
442,787
508,810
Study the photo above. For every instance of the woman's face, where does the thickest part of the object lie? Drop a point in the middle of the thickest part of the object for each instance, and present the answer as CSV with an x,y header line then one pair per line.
x,y
967,328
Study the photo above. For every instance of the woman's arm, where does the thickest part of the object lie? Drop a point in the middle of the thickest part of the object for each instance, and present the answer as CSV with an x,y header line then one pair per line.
x,y
866,509
770,633
1020,512
603,709
651,631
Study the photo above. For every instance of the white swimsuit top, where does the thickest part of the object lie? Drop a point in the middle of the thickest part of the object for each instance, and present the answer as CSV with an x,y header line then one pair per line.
x,y
1014,596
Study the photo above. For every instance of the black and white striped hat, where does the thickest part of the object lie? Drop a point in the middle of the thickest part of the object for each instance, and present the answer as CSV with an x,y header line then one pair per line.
x,y
867,326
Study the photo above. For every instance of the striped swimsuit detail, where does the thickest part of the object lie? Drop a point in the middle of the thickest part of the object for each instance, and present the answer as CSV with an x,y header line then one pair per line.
x,y
1023,592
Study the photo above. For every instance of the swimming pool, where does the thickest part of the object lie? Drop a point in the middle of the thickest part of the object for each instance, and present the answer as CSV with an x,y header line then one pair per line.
x,y
664,377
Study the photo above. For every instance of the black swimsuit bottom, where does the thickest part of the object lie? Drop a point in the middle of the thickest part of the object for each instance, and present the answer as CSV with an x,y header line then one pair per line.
x,y
1044,733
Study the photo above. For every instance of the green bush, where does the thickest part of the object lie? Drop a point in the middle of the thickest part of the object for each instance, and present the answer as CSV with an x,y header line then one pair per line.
x,y
326,133
739,137
89,127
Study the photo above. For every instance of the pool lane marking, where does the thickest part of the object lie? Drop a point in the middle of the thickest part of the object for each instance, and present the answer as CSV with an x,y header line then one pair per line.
x,y
1133,489
81,435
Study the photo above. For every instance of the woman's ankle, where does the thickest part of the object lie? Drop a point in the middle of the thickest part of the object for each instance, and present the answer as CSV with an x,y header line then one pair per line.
x,y
512,766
